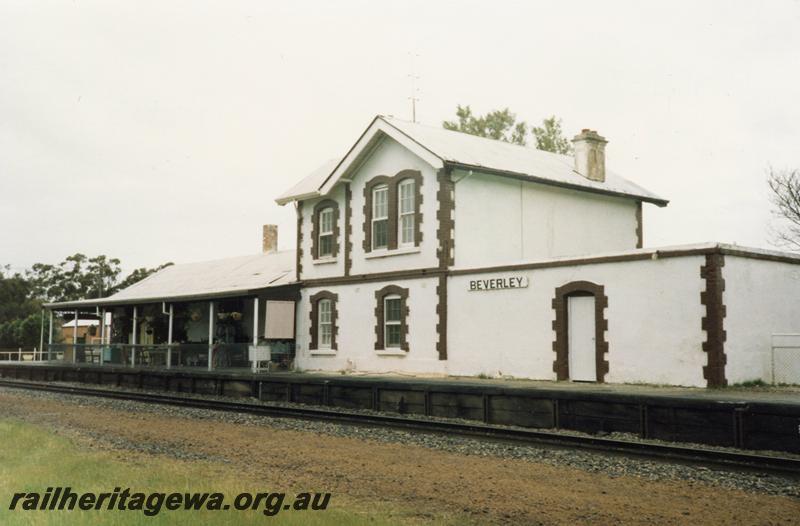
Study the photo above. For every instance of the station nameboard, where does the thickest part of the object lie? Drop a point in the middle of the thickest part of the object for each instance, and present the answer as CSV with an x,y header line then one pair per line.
x,y
511,282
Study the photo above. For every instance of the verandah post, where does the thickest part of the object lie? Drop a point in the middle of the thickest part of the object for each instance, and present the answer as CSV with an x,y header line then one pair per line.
x,y
255,320
75,339
41,338
133,349
102,332
50,337
210,334
169,338
254,365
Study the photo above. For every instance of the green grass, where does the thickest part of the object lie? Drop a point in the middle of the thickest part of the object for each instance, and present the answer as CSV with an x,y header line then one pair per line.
x,y
751,383
33,459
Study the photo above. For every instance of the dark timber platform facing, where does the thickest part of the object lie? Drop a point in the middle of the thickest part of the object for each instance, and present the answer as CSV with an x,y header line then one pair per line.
x,y
711,418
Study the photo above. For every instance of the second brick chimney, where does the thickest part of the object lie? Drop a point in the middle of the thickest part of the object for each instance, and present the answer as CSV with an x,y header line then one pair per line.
x,y
590,155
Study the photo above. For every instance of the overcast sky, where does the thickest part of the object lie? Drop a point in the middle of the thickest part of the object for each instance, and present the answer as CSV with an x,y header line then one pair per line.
x,y
158,131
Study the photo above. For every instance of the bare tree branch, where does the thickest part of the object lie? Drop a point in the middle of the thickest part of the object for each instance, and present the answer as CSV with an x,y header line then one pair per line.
x,y
784,186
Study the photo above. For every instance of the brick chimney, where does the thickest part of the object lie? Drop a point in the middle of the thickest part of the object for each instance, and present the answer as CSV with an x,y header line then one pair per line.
x,y
269,240
590,155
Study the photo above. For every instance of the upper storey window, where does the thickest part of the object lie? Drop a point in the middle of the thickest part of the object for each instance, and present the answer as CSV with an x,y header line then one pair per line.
x,y
406,210
380,217
326,232
392,216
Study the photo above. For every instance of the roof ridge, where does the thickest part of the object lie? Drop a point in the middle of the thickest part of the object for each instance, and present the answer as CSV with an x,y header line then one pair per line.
x,y
475,137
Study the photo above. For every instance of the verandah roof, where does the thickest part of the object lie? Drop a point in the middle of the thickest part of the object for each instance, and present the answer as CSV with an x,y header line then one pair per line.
x,y
202,280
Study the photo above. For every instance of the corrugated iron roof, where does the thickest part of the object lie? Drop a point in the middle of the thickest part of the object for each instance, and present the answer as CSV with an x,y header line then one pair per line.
x,y
204,279
309,186
481,154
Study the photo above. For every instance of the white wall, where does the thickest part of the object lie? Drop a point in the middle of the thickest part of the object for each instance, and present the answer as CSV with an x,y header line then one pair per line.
x,y
653,315
356,335
330,267
388,159
761,298
497,220
501,220
653,318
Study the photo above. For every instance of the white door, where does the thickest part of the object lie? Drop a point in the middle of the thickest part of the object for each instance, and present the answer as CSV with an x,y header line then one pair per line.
x,y
581,350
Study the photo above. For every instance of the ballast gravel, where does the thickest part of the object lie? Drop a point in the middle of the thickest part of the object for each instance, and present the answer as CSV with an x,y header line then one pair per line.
x,y
613,465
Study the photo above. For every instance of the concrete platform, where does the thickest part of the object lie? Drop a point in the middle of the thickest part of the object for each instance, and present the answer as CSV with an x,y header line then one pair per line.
x,y
750,418
789,395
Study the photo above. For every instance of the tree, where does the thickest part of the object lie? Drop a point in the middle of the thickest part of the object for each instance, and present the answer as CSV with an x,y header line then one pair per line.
x,y
22,332
550,138
16,300
784,188
138,275
77,277
498,124
502,125
81,277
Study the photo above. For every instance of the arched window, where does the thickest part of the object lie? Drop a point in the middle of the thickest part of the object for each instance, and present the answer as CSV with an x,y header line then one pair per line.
x,y
392,215
406,212
325,229
323,321
391,318
380,217
325,233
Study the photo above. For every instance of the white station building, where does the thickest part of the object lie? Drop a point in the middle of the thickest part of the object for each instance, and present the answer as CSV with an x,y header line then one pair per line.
x,y
433,252
426,250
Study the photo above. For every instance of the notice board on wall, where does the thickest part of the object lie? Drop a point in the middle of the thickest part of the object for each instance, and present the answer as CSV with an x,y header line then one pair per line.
x,y
279,320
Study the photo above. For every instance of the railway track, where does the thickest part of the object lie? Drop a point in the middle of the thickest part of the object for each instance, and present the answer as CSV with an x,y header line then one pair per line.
x,y
662,452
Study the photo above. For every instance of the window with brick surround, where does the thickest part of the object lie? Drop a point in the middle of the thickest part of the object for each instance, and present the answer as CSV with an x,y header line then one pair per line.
x,y
380,217
325,233
391,321
392,212
325,325
325,229
323,321
391,318
406,210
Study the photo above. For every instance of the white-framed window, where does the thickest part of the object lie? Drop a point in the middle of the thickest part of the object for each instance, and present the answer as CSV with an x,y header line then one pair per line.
x,y
405,223
325,233
392,316
325,323
380,217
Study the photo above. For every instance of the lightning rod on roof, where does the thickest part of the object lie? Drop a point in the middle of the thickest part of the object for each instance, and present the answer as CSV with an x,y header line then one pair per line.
x,y
414,90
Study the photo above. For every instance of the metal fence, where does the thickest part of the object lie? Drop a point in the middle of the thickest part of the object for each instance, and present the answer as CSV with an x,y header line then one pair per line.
x,y
20,354
190,355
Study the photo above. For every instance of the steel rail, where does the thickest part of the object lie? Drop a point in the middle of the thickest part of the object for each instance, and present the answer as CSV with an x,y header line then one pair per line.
x,y
649,450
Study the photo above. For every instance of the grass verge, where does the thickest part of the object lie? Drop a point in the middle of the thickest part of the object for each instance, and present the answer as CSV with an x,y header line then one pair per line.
x,y
33,459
